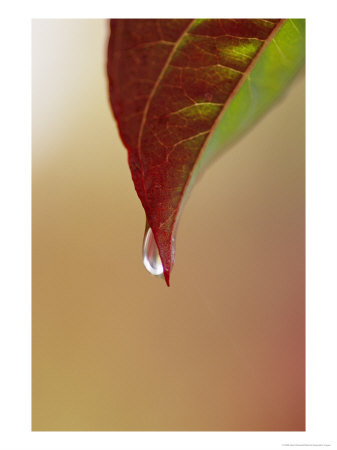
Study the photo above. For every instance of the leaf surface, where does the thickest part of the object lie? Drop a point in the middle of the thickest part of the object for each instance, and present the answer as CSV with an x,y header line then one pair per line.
x,y
183,90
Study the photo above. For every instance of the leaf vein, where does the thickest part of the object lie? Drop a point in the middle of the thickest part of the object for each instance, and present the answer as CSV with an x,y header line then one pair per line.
x,y
195,104
190,138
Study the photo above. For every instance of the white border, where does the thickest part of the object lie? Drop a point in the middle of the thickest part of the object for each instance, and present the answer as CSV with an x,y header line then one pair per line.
x,y
15,233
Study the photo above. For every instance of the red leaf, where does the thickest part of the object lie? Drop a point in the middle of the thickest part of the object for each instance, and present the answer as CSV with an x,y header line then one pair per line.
x,y
160,73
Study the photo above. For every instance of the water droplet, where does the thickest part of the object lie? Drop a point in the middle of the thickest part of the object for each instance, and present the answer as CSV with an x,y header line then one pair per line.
x,y
151,258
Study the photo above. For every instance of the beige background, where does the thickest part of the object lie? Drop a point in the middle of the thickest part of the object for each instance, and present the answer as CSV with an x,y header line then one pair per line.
x,y
113,347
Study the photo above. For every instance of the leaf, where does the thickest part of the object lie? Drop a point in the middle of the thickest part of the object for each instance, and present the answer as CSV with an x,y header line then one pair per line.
x,y
183,90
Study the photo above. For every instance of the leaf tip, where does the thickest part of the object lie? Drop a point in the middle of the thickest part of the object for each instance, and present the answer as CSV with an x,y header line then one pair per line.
x,y
167,277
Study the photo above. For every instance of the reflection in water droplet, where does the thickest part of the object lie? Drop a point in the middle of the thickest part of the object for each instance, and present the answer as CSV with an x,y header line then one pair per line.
x,y
151,258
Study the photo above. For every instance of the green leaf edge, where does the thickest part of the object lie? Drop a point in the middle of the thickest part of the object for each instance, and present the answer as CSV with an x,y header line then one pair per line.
x,y
272,74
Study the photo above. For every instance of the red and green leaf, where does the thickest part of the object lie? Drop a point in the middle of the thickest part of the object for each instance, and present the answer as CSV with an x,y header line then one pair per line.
x,y
183,90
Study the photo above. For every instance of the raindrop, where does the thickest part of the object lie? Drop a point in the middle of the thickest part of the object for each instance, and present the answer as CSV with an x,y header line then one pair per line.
x,y
151,258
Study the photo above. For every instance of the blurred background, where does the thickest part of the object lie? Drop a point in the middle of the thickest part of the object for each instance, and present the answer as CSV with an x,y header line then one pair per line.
x,y
113,348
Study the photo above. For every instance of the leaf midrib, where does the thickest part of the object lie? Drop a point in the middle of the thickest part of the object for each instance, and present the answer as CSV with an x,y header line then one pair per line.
x,y
149,100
